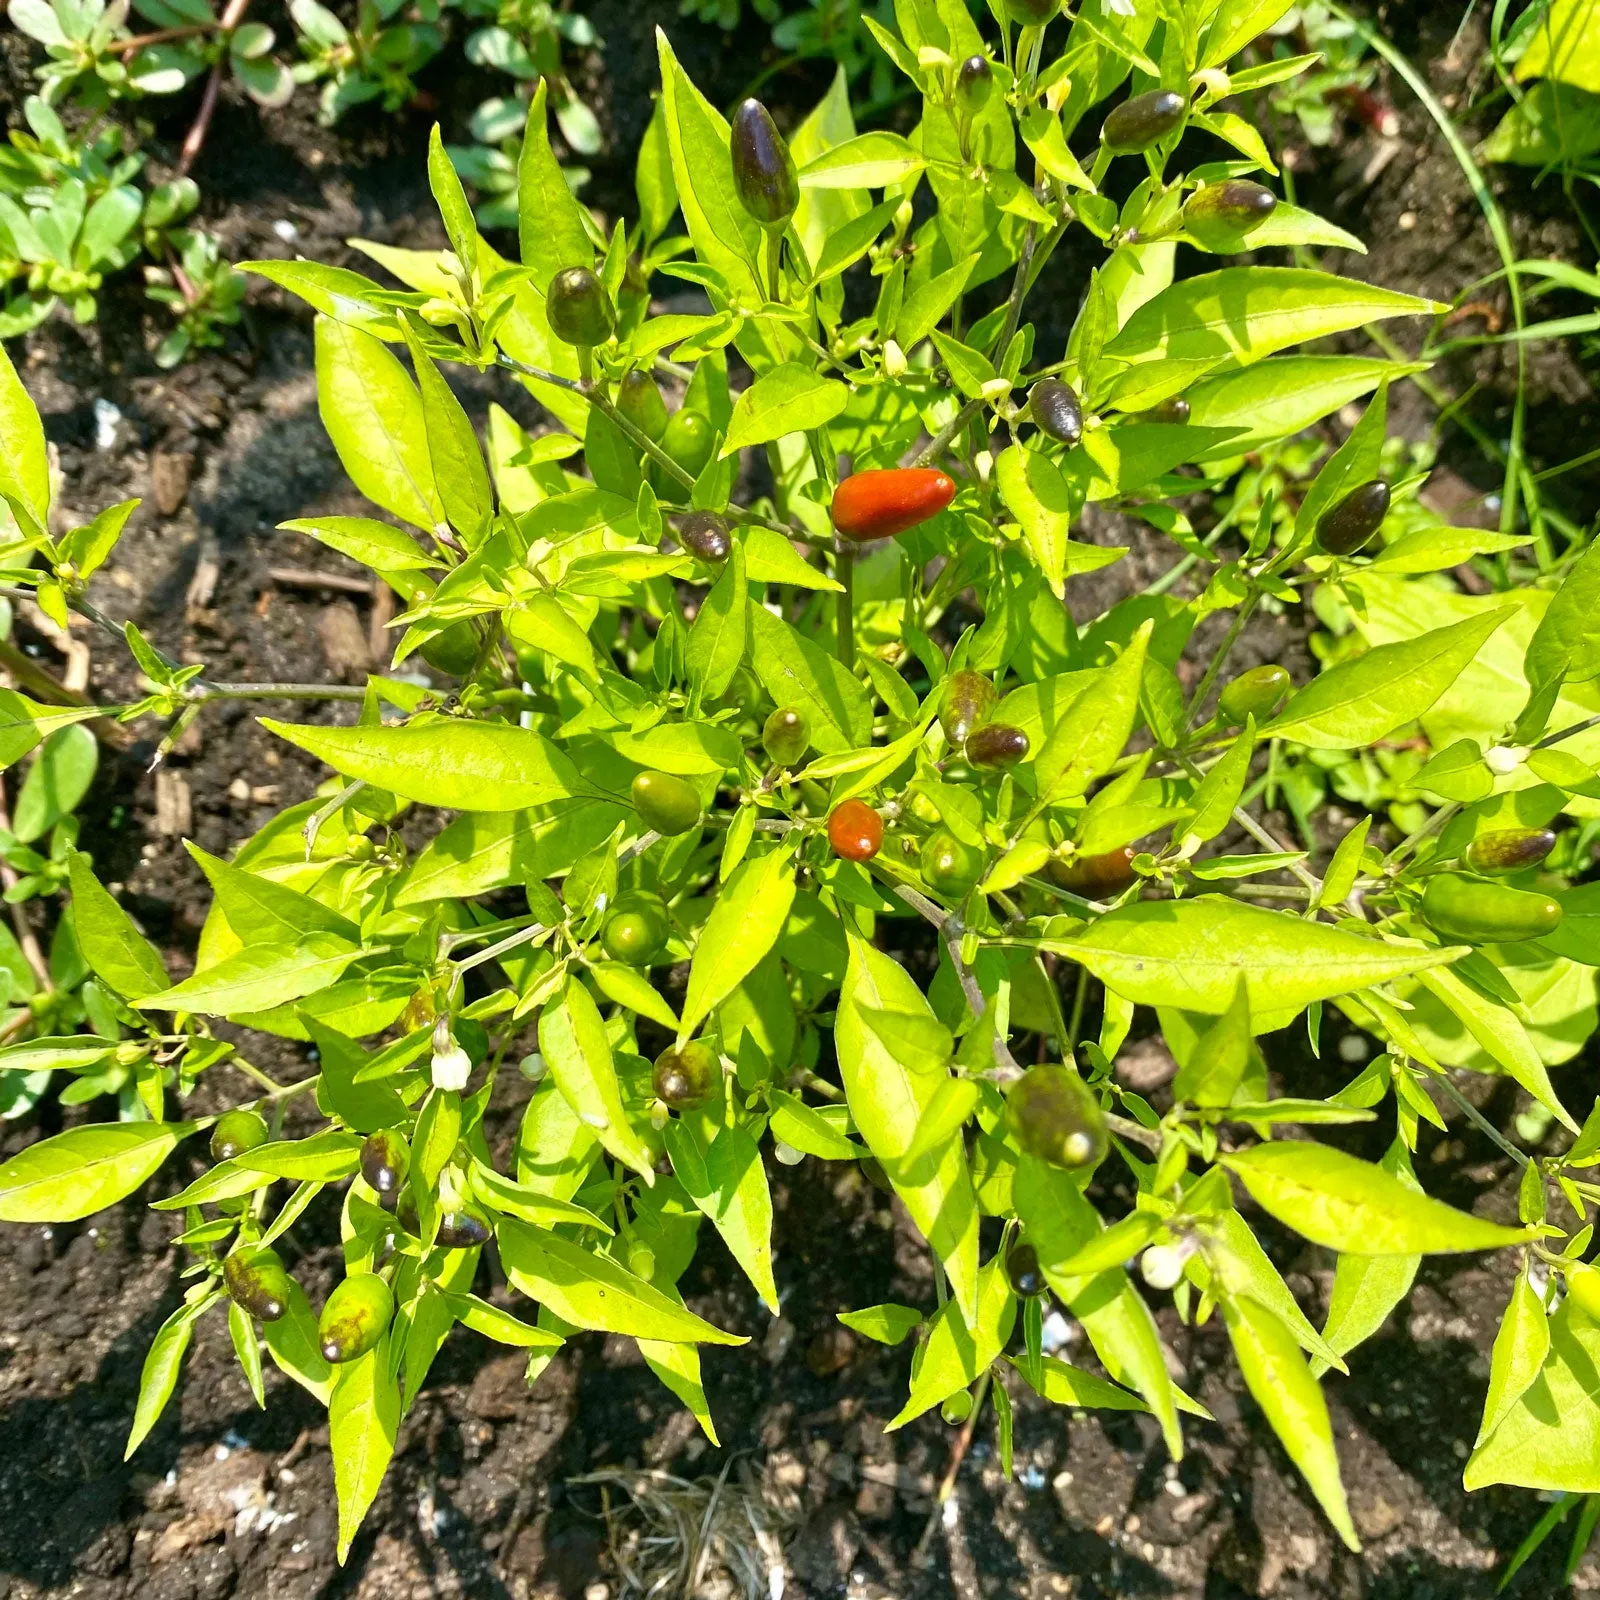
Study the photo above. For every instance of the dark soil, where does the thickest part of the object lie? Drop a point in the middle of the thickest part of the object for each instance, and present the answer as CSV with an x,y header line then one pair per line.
x,y
225,1500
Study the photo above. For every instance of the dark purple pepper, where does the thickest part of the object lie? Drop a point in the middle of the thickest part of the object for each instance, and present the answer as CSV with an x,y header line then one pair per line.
x,y
1056,410
1143,121
706,534
579,308
974,84
1349,523
763,170
1508,849
996,745
1221,214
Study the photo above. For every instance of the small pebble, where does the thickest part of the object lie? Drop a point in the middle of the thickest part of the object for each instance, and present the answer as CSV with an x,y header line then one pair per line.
x,y
106,418
286,230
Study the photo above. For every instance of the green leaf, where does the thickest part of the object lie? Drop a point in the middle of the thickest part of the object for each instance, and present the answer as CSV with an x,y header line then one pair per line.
x,y
795,672
1277,1376
744,924
770,558
810,1129
373,544
1216,795
365,1107
363,1423
70,1053
1088,739
466,766
1065,1385
460,477
117,952
257,978
335,292
1358,702
261,911
629,987
721,631
729,1184
24,460
887,1100
1351,1205
501,1326
955,1354
1216,1065
791,398
1245,313
324,1157
1190,954
84,1170
572,1038
162,1363
1236,22
451,200
1566,644
373,415
1520,1348
868,161
1435,549
595,1291
1045,502
549,220
886,1324
1356,461
58,779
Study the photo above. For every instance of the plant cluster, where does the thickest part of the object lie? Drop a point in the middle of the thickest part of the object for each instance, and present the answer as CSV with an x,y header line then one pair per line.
x,y
73,209
771,742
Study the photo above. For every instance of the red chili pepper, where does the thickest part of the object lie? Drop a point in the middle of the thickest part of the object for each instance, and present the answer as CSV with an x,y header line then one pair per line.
x,y
855,830
878,505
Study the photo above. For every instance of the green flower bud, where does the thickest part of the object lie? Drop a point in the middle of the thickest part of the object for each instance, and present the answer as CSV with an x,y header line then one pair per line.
x,y
579,308
384,1160
1508,849
1256,693
965,705
1144,120
974,84
763,170
706,535
1162,1265
639,400
786,736
665,803
1056,410
683,1078
1481,911
355,1318
256,1282
996,745
949,866
1055,1116
1350,522
236,1132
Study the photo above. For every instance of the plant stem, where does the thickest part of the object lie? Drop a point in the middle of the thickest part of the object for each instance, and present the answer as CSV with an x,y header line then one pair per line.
x,y
1477,1118
231,18
1241,616
203,693
844,569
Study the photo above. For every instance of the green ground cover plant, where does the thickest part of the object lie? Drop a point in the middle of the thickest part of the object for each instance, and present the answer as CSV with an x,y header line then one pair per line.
x,y
839,753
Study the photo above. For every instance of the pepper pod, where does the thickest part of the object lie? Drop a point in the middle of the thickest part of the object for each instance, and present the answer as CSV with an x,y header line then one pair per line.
x,y
705,533
855,830
683,1078
356,1316
1508,849
1094,877
579,308
1481,911
1031,13
949,865
1054,1115
1221,216
1351,521
965,705
237,1132
256,1282
639,400
1257,693
635,935
786,736
1142,121
687,441
1056,410
1022,1268
996,744
881,503
665,803
465,1229
764,174
974,85
1172,412
385,1159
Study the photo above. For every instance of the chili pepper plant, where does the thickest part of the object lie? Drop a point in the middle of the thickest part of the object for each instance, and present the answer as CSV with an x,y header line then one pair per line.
x,y
817,823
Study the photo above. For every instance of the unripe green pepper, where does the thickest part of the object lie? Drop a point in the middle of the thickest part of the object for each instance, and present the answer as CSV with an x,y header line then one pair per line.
x,y
1508,849
1351,521
463,1230
763,170
384,1160
355,1317
948,865
236,1132
974,84
579,308
256,1282
1481,911
785,736
1583,1289
997,744
1222,214
706,535
635,936
683,1078
639,400
1022,1268
1055,1116
1031,13
453,649
1056,410
1256,693
957,1408
688,440
965,705
1144,120
665,803
1173,411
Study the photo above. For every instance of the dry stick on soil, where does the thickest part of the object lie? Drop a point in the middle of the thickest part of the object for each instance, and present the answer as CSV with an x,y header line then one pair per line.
x,y
947,1484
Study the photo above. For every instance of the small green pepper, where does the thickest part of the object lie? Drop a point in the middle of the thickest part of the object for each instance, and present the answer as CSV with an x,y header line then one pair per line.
x,y
355,1317
236,1132
763,170
1222,215
683,1078
579,308
463,1230
1055,1116
997,744
1171,412
665,803
1031,13
1481,911
974,84
950,866
688,441
256,1282
1351,521
706,535
1508,849
1056,410
1144,120
965,705
635,936
384,1160
786,736
1022,1268
453,649
1256,693
639,400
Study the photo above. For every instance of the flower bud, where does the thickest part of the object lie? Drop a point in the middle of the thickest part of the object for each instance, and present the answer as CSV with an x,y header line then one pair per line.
x,y
579,308
452,1066
1161,1266
763,170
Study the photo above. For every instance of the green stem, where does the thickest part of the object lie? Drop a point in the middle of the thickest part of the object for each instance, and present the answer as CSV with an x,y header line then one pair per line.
x,y
844,569
1219,659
